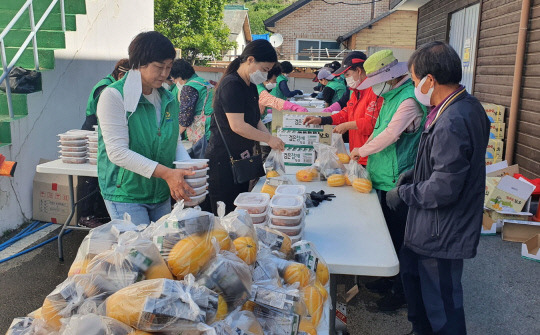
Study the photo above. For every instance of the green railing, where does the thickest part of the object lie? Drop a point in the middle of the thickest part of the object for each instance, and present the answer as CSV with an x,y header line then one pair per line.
x,y
32,37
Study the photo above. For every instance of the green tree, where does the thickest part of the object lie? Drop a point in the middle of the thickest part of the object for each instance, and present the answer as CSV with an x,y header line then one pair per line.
x,y
261,10
195,26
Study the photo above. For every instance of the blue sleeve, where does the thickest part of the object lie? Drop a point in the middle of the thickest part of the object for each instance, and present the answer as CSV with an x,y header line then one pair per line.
x,y
450,156
285,89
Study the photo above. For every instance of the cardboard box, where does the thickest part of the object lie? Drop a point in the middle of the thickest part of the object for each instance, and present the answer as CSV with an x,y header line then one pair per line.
x,y
497,130
501,169
519,231
530,249
510,195
292,121
491,161
51,198
495,113
492,222
494,150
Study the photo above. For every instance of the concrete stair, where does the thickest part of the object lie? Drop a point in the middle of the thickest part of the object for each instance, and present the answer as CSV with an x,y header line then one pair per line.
x,y
49,38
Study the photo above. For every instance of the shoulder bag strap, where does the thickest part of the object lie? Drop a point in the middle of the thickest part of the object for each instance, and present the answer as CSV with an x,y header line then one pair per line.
x,y
223,138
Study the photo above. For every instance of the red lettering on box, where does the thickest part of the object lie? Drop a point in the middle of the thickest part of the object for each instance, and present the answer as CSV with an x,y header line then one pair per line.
x,y
54,186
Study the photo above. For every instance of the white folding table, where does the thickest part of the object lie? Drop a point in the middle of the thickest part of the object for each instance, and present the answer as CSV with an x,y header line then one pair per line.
x,y
349,232
70,170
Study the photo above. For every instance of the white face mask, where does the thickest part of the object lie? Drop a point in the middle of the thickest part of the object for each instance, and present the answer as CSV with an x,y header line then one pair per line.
x,y
381,88
258,77
270,86
352,83
424,99
132,90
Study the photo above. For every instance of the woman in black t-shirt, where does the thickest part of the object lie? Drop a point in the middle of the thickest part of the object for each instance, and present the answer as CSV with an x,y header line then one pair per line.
x,y
236,108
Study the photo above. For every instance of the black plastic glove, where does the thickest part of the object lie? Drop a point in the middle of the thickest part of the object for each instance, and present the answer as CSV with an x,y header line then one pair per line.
x,y
393,201
314,95
405,178
298,92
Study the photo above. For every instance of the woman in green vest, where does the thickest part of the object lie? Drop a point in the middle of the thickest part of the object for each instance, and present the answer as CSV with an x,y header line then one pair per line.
x,y
138,136
282,88
333,87
195,95
391,148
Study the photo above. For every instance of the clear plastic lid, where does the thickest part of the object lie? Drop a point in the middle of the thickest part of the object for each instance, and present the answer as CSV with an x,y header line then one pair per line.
x,y
73,143
73,136
291,231
299,190
287,202
249,199
192,163
195,200
81,148
288,221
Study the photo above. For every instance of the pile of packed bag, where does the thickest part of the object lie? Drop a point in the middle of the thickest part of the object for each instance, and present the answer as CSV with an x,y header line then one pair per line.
x,y
188,273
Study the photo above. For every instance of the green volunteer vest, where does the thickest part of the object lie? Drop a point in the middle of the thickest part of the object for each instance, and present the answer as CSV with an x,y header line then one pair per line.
x,y
146,137
174,91
385,166
339,89
276,91
204,103
91,106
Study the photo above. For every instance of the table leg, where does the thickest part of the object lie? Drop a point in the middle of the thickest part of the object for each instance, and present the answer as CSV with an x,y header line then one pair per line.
x,y
72,205
333,296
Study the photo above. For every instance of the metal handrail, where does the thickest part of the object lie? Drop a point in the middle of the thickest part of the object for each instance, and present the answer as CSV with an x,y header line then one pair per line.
x,y
32,36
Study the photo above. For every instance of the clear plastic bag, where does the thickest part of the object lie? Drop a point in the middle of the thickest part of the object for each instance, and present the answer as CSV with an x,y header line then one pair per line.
x,y
341,150
359,177
274,165
241,231
70,295
274,240
163,305
92,324
179,224
271,184
329,163
100,239
230,277
306,253
29,325
239,323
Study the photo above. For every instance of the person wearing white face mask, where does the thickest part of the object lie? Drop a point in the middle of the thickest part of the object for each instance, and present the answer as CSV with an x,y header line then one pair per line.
x,y
237,117
391,149
195,95
361,110
267,101
444,192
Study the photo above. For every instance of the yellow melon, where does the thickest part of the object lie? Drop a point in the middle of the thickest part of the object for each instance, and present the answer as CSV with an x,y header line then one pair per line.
x,y
157,271
304,175
362,185
246,249
314,303
296,273
49,313
222,237
78,267
272,174
347,181
322,290
271,190
344,158
222,309
322,273
336,180
190,255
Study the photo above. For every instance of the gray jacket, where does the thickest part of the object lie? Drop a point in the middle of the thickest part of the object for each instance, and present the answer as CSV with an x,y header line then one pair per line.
x,y
447,194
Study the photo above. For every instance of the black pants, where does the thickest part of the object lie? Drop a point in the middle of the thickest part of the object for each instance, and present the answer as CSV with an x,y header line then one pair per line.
x,y
221,184
434,293
395,221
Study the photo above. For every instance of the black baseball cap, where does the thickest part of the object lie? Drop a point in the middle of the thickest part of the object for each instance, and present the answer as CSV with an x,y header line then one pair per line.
x,y
355,57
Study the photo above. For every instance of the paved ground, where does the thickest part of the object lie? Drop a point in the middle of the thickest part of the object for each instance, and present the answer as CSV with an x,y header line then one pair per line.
x,y
501,290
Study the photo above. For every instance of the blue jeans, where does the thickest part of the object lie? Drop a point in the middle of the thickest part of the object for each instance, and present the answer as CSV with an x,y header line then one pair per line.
x,y
140,213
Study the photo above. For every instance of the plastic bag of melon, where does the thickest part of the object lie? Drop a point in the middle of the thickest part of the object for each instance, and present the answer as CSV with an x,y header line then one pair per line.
x,y
184,239
75,294
274,165
241,231
230,277
29,325
101,239
164,305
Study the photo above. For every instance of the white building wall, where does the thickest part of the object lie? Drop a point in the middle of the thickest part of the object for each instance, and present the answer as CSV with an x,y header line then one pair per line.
x,y
102,37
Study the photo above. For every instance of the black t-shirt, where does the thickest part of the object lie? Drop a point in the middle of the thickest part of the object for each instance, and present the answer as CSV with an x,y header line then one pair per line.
x,y
232,96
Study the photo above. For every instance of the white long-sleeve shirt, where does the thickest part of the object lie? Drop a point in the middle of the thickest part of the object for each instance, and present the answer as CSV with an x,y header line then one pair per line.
x,y
115,132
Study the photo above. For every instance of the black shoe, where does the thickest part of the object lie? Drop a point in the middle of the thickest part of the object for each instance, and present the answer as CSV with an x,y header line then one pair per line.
x,y
381,285
391,302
